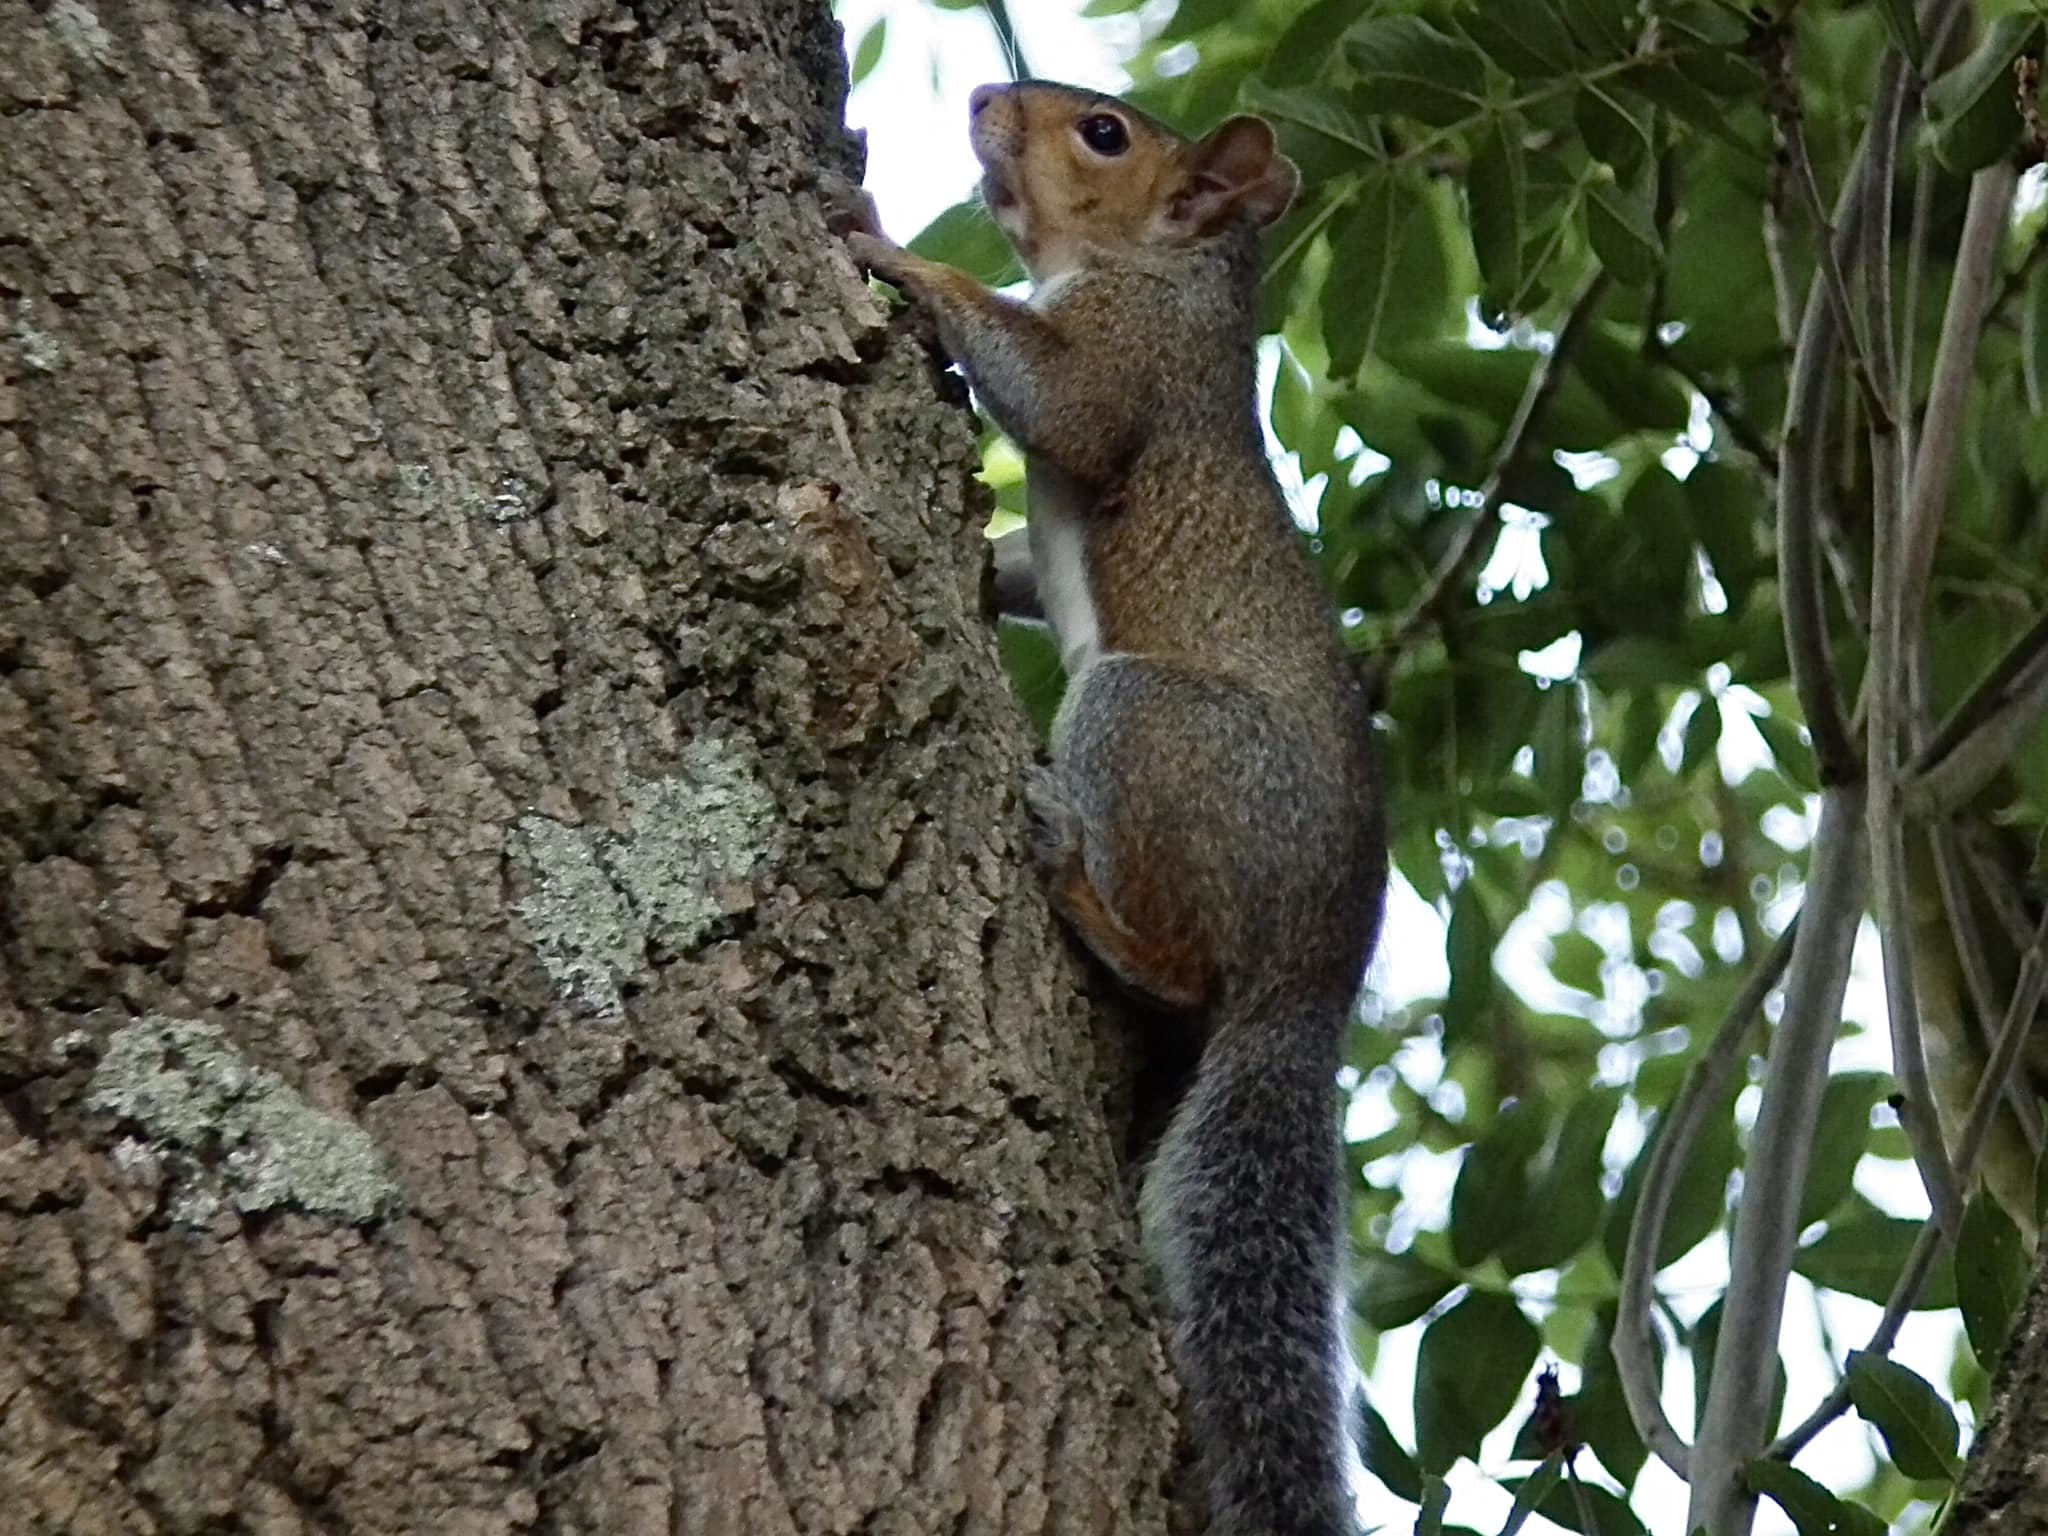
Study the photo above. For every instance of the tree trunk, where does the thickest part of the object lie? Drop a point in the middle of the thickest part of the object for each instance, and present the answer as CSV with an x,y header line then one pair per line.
x,y
523,1004
2005,1487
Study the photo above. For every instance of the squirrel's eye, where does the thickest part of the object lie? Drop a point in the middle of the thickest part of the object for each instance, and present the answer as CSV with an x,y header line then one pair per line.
x,y
1105,134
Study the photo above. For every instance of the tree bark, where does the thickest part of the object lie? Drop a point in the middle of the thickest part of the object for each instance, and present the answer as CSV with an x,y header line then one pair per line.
x,y
2004,1490
522,1004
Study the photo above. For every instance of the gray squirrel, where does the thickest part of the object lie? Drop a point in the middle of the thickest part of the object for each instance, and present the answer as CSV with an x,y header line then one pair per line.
x,y
1211,820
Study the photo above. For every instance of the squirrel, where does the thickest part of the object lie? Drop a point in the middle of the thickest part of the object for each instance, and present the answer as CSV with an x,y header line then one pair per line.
x,y
1210,822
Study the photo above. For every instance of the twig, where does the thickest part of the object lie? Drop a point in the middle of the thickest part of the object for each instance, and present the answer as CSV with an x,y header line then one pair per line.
x,y
1634,1340
1788,118
1969,297
2007,904
1909,322
1887,681
1927,1248
1582,1502
1800,481
1740,427
1006,38
1778,257
1951,876
1979,737
1737,1415
1544,380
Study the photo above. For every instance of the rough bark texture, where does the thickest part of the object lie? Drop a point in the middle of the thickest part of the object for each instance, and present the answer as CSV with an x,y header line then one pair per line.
x,y
523,1008
2005,1486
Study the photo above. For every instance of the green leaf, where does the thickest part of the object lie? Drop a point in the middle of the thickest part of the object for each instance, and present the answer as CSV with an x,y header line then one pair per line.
x,y
1632,661
1496,190
1525,39
1790,749
1841,1133
1384,1456
1603,27
1904,28
1566,1189
1641,394
869,53
1560,751
1535,1488
1406,67
1623,235
1697,1202
2034,340
1469,1370
1701,1342
1666,86
1613,131
1560,1506
2041,1190
1576,961
1862,1253
1468,949
1304,113
1973,110
1364,241
1392,1290
1702,737
1813,1510
964,236
1032,659
1599,1411
1991,1276
1726,508
1919,1429
1490,1200
1299,53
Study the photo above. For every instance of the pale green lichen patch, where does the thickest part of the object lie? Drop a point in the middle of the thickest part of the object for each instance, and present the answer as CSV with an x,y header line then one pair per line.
x,y
39,350
506,499
244,1131
599,899
586,934
79,30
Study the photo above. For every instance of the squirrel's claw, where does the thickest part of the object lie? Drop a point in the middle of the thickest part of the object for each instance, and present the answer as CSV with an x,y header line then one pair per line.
x,y
879,257
849,210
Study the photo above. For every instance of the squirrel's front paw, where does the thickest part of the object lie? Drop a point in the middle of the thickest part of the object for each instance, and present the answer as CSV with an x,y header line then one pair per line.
x,y
1055,824
849,210
881,257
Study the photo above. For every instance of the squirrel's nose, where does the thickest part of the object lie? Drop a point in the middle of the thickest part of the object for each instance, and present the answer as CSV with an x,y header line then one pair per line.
x,y
980,97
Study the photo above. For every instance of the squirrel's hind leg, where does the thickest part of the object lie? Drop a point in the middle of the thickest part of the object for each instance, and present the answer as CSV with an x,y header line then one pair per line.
x,y
1165,959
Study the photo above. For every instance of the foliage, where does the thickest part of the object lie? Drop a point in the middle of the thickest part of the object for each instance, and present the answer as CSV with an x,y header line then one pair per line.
x,y
1600,762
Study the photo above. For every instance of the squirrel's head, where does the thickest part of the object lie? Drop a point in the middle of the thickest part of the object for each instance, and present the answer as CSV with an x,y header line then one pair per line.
x,y
1070,171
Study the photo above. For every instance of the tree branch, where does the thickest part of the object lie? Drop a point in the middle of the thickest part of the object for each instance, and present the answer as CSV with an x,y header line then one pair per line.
x,y
1788,118
1951,875
1802,474
1634,1341
1454,568
1737,1415
998,12
1735,1419
1969,301
1982,733
1887,680
2006,1051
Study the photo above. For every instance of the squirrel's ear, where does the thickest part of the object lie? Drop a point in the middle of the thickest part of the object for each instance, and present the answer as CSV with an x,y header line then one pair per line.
x,y
1236,170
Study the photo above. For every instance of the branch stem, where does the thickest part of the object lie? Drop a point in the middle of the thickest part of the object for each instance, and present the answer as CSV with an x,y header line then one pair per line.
x,y
1634,1341
2006,1051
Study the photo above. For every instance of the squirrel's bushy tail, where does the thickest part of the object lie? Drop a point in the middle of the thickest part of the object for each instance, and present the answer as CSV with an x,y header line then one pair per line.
x,y
1244,1203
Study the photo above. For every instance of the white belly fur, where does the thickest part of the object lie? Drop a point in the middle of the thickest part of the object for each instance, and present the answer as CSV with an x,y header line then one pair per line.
x,y
1059,561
